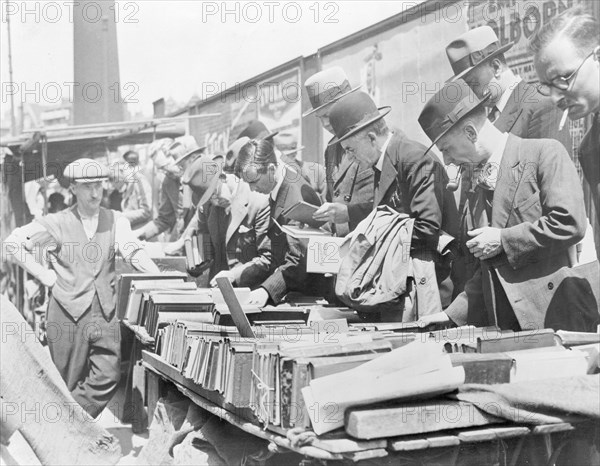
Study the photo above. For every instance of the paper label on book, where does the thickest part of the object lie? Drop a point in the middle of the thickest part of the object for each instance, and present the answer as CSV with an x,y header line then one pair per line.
x,y
323,254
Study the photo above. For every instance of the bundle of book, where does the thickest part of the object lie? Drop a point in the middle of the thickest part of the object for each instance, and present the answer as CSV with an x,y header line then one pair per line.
x,y
152,301
330,375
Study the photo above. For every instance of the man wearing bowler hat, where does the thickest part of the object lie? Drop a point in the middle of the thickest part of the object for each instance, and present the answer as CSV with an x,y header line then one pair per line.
x,y
523,229
80,244
404,179
234,221
349,195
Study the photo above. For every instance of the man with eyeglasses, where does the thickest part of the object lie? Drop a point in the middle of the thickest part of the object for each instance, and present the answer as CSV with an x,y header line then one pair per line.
x,y
567,61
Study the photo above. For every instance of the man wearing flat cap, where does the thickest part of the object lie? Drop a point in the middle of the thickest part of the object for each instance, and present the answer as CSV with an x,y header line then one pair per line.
x,y
523,229
349,195
405,179
234,221
80,245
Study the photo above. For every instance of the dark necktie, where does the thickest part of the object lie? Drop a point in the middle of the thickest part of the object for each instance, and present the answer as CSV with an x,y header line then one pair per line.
x,y
377,176
493,114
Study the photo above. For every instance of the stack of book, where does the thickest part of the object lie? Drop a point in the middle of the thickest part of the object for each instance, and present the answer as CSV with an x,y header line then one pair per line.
x,y
281,369
125,280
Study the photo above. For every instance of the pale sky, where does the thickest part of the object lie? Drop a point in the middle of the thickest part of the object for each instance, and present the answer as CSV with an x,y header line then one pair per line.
x,y
169,48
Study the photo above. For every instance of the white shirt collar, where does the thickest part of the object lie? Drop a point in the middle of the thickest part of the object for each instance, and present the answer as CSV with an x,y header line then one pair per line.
x,y
379,164
495,160
507,93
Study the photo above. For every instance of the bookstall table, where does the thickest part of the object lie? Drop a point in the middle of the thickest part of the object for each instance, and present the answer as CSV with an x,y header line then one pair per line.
x,y
452,443
135,385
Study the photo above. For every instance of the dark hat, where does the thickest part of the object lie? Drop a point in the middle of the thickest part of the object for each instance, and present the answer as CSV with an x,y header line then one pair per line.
x,y
233,151
326,87
132,157
257,130
183,148
86,171
353,113
202,176
451,104
472,48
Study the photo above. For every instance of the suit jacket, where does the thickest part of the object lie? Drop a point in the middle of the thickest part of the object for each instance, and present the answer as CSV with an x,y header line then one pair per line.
x,y
530,283
242,246
413,184
348,182
136,202
528,115
169,210
288,264
589,157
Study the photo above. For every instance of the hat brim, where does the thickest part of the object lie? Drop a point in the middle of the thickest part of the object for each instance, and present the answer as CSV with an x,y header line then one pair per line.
x,y
332,101
478,106
270,136
293,151
188,155
90,180
210,190
383,112
502,49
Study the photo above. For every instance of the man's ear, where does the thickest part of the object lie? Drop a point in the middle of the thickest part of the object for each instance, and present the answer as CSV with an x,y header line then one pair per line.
x,y
497,66
372,136
471,131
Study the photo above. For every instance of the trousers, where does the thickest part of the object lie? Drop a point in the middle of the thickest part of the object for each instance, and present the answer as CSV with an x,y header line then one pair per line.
x,y
86,352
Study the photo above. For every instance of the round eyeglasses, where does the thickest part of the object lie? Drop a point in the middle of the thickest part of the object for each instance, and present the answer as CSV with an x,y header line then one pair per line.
x,y
562,83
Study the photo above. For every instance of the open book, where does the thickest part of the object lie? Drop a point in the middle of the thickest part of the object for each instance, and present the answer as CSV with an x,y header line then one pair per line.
x,y
302,231
303,212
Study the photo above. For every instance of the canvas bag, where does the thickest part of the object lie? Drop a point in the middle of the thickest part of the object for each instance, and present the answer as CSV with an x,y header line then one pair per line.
x,y
376,262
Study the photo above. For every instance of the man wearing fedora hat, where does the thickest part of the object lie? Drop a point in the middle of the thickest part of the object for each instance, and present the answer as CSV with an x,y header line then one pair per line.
x,y
171,158
80,244
349,194
513,106
404,179
234,221
523,229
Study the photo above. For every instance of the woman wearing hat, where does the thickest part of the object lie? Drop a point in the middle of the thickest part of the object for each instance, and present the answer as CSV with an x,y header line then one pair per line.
x,y
80,243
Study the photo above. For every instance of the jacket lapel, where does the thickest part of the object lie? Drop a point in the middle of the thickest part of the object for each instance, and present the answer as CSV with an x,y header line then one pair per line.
x,y
239,210
508,182
511,113
280,205
341,171
388,176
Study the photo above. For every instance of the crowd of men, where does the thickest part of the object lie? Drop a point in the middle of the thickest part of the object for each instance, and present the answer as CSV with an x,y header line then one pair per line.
x,y
523,255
